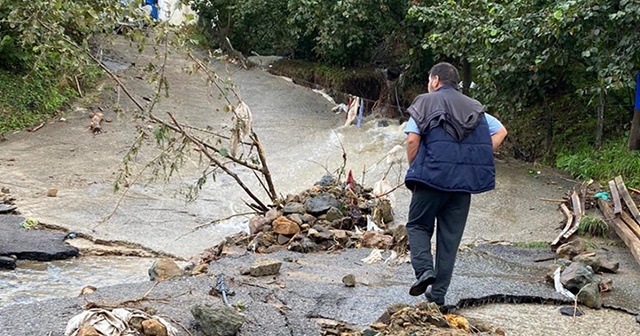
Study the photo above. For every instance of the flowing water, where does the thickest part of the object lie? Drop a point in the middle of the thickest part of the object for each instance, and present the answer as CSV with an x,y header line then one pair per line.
x,y
367,157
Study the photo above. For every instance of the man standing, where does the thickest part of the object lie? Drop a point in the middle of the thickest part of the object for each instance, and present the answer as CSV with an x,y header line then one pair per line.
x,y
450,144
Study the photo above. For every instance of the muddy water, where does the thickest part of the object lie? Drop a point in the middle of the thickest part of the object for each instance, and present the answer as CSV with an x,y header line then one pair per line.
x,y
366,146
33,281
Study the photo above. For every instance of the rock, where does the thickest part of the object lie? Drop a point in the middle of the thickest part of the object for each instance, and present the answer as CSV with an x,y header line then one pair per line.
x,y
284,226
590,296
245,270
384,212
88,331
272,214
591,261
305,226
265,267
319,234
40,245
551,269
349,280
153,327
571,249
293,207
309,219
333,214
282,239
320,204
563,262
163,269
306,245
605,284
377,240
340,236
609,266
326,180
5,190
576,276
274,249
219,321
7,263
638,318
296,218
569,311
256,224
53,192
6,208
344,223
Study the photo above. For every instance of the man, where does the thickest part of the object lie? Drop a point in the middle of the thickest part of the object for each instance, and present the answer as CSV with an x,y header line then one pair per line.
x,y
450,144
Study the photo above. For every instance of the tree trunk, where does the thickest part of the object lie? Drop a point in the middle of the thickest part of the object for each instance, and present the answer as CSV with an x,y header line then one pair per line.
x,y
466,76
600,125
634,134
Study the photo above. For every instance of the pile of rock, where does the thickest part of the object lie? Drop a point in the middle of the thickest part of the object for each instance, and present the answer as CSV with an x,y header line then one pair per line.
x,y
329,216
581,272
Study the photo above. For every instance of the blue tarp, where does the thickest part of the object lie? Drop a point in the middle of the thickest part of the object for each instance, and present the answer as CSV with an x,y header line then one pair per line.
x,y
638,91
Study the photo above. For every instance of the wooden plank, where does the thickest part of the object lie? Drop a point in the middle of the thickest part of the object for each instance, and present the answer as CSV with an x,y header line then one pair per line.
x,y
633,225
558,200
577,215
569,216
627,198
621,229
617,206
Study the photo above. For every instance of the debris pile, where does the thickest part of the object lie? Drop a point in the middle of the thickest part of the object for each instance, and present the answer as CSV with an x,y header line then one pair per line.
x,y
577,273
329,216
118,322
422,319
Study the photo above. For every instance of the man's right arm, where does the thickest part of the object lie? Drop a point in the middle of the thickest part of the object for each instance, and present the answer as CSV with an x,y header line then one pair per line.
x,y
413,143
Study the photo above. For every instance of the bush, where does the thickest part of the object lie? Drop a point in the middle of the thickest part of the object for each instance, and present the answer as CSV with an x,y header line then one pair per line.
x,y
603,164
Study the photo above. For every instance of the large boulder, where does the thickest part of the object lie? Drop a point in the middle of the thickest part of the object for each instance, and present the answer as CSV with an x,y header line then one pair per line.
x,y
320,204
218,321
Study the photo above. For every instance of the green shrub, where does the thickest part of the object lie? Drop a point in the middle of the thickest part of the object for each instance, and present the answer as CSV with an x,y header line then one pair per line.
x,y
603,164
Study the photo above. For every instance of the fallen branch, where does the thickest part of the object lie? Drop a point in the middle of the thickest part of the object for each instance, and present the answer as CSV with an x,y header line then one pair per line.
x,y
127,303
567,226
36,128
216,221
554,200
577,213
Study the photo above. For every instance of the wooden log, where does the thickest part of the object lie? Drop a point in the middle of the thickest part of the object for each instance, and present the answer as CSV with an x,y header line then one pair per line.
x,y
567,226
617,206
627,198
634,190
621,229
633,225
559,200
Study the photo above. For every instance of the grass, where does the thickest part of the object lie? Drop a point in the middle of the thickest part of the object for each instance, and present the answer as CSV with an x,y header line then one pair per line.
x,y
593,227
603,164
29,99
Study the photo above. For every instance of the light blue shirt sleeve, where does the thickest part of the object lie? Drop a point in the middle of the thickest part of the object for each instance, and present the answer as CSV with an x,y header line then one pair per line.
x,y
494,125
411,127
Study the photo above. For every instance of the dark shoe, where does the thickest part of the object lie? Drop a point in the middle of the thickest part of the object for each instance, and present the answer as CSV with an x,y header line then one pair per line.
x,y
420,286
437,300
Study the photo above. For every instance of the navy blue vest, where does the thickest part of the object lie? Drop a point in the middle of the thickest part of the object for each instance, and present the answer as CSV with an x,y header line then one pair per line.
x,y
445,164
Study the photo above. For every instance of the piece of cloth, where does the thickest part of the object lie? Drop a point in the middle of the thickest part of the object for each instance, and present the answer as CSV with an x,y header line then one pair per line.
x,y
494,125
112,322
447,108
360,113
449,165
451,210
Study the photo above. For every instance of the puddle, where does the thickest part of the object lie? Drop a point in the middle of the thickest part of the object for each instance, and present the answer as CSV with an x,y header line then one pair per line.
x,y
34,281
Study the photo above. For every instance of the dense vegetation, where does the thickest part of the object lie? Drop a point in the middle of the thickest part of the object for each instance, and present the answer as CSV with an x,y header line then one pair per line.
x,y
560,74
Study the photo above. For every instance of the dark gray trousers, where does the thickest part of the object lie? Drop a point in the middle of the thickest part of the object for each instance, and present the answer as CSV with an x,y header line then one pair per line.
x,y
451,210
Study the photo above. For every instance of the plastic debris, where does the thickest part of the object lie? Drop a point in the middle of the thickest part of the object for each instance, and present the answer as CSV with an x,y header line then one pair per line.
x,y
113,323
603,195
